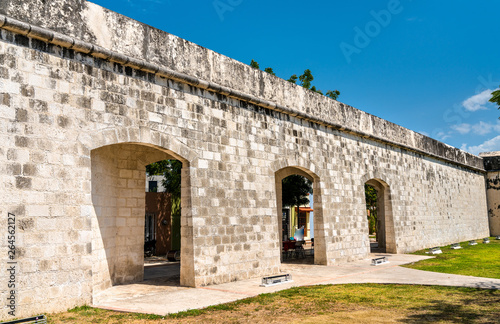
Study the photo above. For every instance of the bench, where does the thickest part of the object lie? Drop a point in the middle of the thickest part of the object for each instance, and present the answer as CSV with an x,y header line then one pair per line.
x,y
276,280
379,261
435,250
486,240
456,246
473,242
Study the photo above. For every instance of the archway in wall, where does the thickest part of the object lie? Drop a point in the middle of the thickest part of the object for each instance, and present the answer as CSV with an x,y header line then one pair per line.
x,y
300,223
379,217
118,176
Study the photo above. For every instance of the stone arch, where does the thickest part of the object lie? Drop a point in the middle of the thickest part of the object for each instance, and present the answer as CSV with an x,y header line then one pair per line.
x,y
118,157
141,135
286,167
387,235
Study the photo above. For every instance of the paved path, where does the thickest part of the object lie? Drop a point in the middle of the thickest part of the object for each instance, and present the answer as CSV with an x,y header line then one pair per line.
x,y
157,296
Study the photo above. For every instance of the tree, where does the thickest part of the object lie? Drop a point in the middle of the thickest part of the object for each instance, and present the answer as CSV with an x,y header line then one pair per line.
x,y
313,88
306,79
371,206
333,94
296,190
269,70
496,97
293,79
171,170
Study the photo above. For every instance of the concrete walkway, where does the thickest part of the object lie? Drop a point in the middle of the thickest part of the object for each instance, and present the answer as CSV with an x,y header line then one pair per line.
x,y
163,296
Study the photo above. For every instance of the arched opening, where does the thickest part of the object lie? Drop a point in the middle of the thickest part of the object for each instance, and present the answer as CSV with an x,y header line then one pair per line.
x,y
300,216
118,174
379,217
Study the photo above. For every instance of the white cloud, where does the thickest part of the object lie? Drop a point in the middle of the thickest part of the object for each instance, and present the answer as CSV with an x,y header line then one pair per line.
x,y
482,128
477,102
462,128
442,136
488,146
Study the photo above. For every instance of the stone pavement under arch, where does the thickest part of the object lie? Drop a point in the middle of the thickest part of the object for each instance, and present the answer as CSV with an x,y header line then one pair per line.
x,y
151,297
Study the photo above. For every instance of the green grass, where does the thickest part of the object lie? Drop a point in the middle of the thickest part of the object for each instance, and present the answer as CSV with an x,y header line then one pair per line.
x,y
481,260
352,303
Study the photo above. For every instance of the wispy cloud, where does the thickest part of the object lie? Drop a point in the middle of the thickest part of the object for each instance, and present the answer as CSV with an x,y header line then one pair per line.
x,y
478,101
463,128
487,146
481,128
443,136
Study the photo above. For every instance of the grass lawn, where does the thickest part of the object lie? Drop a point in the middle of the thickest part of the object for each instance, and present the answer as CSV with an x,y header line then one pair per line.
x,y
481,260
366,303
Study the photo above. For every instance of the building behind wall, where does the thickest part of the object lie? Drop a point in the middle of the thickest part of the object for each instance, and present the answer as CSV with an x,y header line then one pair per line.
x,y
295,221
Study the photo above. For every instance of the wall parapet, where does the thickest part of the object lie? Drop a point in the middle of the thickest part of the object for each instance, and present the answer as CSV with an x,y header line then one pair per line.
x,y
189,66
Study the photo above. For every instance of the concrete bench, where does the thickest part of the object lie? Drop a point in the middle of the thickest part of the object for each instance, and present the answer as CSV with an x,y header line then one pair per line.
x,y
276,280
435,250
379,261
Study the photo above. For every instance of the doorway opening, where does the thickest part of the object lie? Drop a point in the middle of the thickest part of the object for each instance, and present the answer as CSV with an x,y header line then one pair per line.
x,y
162,230
379,217
120,224
300,217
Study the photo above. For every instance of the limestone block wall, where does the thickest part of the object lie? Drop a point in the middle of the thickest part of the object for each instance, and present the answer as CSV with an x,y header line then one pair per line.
x,y
78,129
492,165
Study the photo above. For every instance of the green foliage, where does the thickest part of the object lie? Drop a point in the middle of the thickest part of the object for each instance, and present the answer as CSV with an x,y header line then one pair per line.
x,y
295,190
176,223
306,79
172,182
157,168
313,88
293,79
171,170
371,205
333,94
269,70
495,97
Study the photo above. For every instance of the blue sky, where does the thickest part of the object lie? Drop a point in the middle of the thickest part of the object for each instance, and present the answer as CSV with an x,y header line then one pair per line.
x,y
429,66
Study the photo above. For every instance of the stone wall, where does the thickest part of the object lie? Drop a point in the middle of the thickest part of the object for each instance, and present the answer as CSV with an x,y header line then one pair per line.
x,y
77,131
492,166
